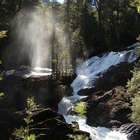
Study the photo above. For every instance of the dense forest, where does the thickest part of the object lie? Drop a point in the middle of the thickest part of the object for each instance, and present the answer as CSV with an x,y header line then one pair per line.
x,y
75,30
92,27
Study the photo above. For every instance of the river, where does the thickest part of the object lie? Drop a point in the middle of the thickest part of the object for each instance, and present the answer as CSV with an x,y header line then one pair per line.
x,y
87,73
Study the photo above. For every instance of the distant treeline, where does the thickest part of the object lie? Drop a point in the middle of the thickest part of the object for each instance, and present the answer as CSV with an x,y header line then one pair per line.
x,y
92,27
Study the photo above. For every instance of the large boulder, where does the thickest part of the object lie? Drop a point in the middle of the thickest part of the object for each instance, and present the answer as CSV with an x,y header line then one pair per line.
x,y
48,124
45,124
132,130
109,109
115,76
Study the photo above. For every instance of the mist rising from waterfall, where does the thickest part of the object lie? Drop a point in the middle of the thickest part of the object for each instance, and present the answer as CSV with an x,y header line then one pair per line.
x,y
31,27
34,30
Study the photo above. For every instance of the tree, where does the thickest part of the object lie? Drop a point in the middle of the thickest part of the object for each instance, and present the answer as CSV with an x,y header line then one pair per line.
x,y
115,22
135,117
133,91
53,35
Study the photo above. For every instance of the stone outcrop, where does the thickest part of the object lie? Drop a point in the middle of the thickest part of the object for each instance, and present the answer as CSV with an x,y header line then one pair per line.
x,y
112,109
108,109
49,124
46,124
132,130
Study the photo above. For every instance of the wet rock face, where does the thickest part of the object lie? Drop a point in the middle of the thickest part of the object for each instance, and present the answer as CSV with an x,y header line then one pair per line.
x,y
46,124
49,124
115,76
109,109
132,130
19,84
108,104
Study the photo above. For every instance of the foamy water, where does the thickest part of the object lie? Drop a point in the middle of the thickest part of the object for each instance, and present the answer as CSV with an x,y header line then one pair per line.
x,y
87,73
93,68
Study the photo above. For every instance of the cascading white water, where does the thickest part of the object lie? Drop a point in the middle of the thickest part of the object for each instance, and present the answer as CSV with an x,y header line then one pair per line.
x,y
99,133
94,67
96,133
87,73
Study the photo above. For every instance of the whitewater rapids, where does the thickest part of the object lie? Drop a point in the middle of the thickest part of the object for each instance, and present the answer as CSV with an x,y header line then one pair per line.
x,y
87,74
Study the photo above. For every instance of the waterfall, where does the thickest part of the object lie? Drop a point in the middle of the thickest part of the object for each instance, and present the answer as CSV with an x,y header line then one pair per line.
x,y
94,68
87,73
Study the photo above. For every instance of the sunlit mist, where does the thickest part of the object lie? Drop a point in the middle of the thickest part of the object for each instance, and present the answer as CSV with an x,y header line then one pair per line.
x,y
34,30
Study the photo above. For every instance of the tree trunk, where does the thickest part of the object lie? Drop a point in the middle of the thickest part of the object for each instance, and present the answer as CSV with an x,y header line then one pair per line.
x,y
53,37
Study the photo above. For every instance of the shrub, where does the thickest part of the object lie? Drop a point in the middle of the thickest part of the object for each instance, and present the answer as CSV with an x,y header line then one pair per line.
x,y
135,117
31,105
1,95
79,137
133,90
23,132
80,108
3,34
133,85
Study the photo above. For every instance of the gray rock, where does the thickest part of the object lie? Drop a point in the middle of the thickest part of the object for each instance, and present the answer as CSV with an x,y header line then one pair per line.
x,y
132,130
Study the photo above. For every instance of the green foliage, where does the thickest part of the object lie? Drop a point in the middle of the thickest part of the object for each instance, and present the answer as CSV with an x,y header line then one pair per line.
x,y
3,34
23,133
87,30
133,85
1,78
31,105
135,117
137,49
80,108
19,133
136,3
133,90
79,137
1,95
